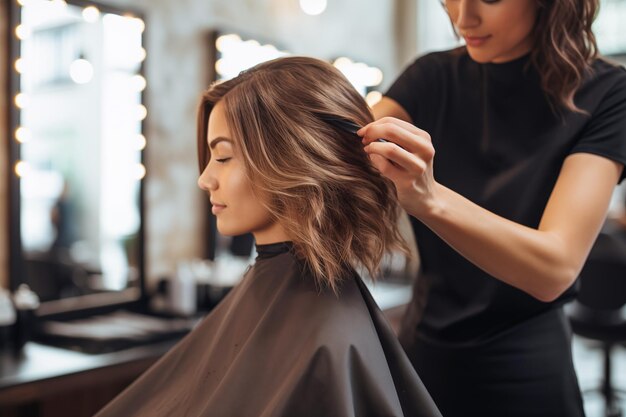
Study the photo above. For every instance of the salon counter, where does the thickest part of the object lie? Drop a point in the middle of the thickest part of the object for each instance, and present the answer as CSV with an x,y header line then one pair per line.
x,y
48,381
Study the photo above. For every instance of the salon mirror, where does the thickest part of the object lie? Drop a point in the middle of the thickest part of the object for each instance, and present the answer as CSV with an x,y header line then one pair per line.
x,y
76,153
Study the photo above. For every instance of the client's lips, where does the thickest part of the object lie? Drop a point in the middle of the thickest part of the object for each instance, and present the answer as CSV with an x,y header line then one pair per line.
x,y
217,207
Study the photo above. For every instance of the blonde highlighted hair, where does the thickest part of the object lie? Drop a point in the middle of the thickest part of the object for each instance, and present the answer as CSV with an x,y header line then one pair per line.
x,y
313,177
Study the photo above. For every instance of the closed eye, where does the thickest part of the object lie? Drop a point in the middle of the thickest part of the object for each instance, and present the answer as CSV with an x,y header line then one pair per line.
x,y
222,160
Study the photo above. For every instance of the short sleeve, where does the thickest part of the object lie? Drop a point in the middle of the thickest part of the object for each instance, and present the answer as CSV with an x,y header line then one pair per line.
x,y
605,133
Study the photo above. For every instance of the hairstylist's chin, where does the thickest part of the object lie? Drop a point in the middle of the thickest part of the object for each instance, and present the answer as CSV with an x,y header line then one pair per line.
x,y
478,55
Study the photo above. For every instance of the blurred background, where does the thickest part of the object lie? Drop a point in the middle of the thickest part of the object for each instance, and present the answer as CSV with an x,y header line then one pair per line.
x,y
104,221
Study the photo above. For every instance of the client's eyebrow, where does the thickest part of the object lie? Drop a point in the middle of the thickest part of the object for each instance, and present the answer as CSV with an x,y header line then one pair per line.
x,y
217,140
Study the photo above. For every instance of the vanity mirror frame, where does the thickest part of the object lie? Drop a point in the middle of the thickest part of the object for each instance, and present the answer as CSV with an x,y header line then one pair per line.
x,y
135,297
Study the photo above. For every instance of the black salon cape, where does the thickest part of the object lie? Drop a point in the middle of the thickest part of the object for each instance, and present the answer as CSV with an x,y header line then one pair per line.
x,y
278,346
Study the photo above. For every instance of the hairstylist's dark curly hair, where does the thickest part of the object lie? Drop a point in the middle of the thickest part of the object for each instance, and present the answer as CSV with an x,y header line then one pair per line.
x,y
564,48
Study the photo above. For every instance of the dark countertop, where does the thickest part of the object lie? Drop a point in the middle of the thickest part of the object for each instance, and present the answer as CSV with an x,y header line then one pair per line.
x,y
41,370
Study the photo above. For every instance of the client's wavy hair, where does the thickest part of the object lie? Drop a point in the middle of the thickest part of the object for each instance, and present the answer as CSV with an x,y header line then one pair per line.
x,y
314,177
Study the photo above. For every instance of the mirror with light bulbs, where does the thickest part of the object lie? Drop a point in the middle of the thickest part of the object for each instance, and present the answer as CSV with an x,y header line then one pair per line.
x,y
76,153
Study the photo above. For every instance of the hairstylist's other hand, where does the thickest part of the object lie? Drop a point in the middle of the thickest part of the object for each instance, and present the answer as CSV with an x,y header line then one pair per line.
x,y
406,159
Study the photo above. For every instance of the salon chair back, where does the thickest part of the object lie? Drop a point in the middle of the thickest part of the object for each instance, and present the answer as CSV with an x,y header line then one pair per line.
x,y
599,312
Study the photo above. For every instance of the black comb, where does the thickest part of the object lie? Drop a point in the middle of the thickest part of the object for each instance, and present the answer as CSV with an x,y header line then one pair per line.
x,y
344,124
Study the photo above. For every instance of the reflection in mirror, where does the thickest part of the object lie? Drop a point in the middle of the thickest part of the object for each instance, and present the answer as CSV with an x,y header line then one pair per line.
x,y
79,131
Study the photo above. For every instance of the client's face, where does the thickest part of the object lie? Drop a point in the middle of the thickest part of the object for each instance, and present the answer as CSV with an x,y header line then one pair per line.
x,y
234,204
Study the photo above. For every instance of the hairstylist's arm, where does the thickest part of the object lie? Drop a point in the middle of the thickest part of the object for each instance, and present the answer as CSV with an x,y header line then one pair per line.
x,y
543,262
387,107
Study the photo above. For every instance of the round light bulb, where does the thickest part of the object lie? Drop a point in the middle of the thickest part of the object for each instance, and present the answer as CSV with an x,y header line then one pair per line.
x,y
375,76
22,168
22,32
21,100
140,24
61,4
225,42
342,63
139,82
140,172
313,7
142,112
140,142
19,65
91,14
141,55
81,71
22,134
220,66
373,97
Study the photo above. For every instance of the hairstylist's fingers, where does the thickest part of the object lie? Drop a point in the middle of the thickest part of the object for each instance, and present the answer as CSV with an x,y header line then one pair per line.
x,y
419,144
386,167
398,156
392,120
392,132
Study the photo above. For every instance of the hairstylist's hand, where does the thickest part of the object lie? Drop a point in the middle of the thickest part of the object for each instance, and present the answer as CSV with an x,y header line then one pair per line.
x,y
406,159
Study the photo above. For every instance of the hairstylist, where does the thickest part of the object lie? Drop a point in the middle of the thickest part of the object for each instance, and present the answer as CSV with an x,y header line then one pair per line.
x,y
509,150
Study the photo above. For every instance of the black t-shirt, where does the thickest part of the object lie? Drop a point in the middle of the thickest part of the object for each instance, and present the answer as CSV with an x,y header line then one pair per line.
x,y
498,144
